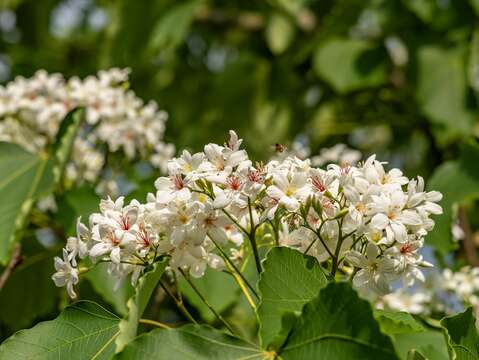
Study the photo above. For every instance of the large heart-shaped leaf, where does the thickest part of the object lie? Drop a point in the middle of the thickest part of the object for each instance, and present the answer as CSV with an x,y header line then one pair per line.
x,y
24,177
337,324
83,330
461,334
27,176
289,280
137,303
350,64
190,342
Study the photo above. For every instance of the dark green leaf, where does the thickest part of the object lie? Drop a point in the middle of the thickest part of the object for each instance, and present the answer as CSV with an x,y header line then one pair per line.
x,y
83,330
337,325
461,334
29,293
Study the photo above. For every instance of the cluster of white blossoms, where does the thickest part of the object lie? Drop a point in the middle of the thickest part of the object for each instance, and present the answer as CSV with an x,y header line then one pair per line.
x,y
360,221
443,293
31,111
464,283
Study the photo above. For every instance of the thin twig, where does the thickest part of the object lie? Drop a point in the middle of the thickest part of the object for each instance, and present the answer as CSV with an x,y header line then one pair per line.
x,y
470,250
252,238
206,302
234,267
154,323
178,303
15,260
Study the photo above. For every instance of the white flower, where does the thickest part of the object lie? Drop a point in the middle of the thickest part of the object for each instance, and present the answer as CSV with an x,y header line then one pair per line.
x,y
375,270
415,303
66,274
78,246
391,215
289,189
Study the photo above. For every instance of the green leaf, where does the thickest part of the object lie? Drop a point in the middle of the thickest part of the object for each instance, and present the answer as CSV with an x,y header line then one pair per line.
x,y
289,280
190,342
64,140
430,344
279,33
396,322
74,203
461,334
24,177
104,285
29,293
337,324
415,355
83,330
137,303
219,288
446,179
445,106
350,64
28,176
173,27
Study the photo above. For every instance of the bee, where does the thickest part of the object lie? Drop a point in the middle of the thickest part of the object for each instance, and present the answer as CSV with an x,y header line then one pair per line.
x,y
279,148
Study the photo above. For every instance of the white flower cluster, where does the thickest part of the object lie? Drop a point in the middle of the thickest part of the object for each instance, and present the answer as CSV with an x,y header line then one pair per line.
x,y
31,111
360,219
443,293
464,284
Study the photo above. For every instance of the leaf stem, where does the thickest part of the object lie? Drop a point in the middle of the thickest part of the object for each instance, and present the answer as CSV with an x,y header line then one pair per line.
x,y
206,302
154,323
252,238
234,267
338,248
178,303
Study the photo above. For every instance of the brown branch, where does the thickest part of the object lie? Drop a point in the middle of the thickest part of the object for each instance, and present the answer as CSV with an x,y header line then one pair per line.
x,y
15,260
470,250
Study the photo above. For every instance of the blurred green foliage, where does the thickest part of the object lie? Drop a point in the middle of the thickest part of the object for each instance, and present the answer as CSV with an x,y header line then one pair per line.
x,y
393,77
399,78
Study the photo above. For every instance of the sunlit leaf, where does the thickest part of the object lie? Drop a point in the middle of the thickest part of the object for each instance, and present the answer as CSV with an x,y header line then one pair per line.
x,y
289,280
137,303
190,342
